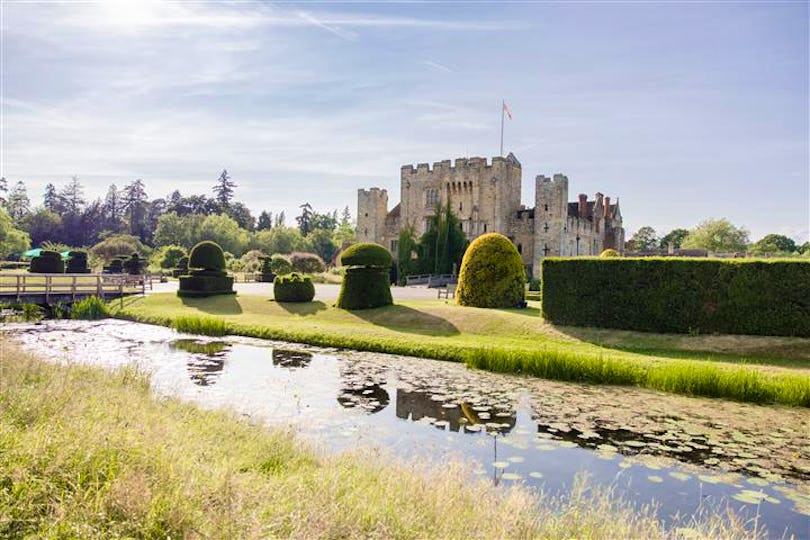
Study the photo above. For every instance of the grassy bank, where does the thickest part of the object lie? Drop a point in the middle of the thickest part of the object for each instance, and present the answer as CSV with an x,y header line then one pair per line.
x,y
91,454
499,340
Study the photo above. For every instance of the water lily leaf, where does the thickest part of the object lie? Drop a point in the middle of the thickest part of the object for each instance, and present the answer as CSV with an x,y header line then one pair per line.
x,y
511,476
535,474
500,464
683,477
655,478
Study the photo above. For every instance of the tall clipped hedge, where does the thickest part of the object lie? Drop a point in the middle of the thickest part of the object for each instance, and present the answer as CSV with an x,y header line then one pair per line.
x,y
47,262
679,295
492,274
366,283
207,275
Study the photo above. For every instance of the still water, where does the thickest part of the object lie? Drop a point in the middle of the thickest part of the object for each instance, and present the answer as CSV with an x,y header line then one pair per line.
x,y
686,455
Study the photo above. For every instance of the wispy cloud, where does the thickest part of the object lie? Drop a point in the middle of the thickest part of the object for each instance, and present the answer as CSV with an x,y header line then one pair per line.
x,y
437,66
339,32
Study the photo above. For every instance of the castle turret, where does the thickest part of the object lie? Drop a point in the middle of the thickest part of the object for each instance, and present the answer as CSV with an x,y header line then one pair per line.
x,y
550,215
372,207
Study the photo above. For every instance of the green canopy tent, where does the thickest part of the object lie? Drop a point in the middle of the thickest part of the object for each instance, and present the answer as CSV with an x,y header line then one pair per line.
x,y
31,253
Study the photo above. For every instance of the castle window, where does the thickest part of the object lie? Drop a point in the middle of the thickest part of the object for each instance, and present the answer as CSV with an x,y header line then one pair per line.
x,y
546,205
520,249
394,246
545,227
431,197
366,214
485,227
459,207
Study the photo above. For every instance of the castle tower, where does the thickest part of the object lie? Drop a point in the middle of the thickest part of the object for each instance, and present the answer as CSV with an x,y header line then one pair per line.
x,y
372,207
550,216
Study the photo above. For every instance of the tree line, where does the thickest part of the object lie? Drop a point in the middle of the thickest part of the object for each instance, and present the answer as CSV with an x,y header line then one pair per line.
x,y
127,214
716,236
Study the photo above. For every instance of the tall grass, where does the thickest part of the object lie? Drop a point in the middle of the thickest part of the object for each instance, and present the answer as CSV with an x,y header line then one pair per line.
x,y
90,454
90,308
206,326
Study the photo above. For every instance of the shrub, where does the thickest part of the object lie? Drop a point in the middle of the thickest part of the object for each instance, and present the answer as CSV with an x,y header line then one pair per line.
x,y
307,263
116,266
252,260
208,276
91,308
679,295
492,274
77,263
534,284
48,262
293,288
366,254
208,256
134,265
182,267
368,276
169,256
280,265
266,274
609,253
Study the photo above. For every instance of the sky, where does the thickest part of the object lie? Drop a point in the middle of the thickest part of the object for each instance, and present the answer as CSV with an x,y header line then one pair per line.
x,y
683,111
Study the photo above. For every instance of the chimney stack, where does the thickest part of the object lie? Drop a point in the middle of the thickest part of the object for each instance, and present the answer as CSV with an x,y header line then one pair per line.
x,y
583,205
607,208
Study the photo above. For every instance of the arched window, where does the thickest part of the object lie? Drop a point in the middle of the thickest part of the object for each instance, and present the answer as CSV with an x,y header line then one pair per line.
x,y
520,249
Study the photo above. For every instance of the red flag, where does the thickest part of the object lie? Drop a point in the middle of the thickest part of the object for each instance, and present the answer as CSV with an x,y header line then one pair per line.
x,y
506,110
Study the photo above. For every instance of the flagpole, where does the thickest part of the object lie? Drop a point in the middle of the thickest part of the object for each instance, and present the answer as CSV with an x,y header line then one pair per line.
x,y
503,109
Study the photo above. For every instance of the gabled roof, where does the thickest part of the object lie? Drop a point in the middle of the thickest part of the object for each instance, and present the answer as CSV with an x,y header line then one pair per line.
x,y
395,211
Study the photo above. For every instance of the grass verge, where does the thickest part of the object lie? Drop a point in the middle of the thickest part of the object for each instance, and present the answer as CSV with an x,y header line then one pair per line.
x,y
92,454
498,340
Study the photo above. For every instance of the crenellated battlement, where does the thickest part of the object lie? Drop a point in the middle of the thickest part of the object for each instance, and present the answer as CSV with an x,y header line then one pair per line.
x,y
460,164
373,192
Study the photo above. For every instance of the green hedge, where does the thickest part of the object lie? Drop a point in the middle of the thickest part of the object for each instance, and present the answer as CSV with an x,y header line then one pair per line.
x,y
365,287
205,285
293,288
366,254
207,255
679,295
492,274
48,262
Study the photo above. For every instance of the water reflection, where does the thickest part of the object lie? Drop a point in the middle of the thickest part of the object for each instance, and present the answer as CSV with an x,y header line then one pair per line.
x,y
361,387
207,362
291,359
442,413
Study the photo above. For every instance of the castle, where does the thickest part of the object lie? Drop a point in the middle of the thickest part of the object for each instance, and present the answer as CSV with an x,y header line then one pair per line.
x,y
486,198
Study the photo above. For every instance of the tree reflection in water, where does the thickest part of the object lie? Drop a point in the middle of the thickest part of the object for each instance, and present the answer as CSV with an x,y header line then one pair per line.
x,y
291,359
361,386
444,412
207,361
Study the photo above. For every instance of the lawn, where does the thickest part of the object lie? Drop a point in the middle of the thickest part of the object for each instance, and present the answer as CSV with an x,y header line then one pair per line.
x,y
746,368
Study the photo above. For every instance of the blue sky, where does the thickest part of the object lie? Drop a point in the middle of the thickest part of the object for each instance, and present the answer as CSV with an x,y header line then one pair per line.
x,y
685,111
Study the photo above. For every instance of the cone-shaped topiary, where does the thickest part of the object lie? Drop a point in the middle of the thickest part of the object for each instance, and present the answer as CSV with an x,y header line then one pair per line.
x,y
492,274
77,263
207,276
207,255
293,288
367,280
48,262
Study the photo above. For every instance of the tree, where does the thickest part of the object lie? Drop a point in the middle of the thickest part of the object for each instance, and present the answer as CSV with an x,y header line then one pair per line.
x,y
223,230
135,208
265,221
18,205
241,214
645,239
73,196
172,229
223,190
323,244
12,240
43,224
113,209
774,243
3,190
442,246
280,240
305,219
118,245
717,236
280,220
407,250
326,222
675,238
805,248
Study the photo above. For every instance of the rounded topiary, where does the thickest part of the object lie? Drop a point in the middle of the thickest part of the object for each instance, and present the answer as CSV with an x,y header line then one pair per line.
x,y
77,263
280,265
367,283
293,288
609,253
307,263
207,276
134,265
492,274
207,255
366,254
47,262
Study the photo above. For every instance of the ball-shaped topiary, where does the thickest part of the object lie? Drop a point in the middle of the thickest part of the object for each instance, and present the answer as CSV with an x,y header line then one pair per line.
x,y
207,276
207,255
280,265
366,254
492,274
48,262
609,253
307,263
367,283
293,288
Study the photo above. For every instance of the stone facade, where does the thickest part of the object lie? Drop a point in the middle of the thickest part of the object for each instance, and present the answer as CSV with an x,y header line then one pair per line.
x,y
486,198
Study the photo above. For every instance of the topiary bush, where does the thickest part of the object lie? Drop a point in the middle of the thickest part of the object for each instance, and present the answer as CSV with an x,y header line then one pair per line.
x,y
307,263
182,267
492,274
48,262
280,265
610,253
207,276
134,265
266,274
293,288
77,263
366,283
116,266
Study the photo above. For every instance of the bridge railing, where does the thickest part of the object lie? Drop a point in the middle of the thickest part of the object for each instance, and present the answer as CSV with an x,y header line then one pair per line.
x,y
74,285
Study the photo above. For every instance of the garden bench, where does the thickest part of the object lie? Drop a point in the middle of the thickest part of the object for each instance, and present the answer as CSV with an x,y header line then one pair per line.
x,y
449,291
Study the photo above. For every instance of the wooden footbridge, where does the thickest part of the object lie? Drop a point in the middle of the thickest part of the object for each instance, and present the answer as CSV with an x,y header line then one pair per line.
x,y
47,289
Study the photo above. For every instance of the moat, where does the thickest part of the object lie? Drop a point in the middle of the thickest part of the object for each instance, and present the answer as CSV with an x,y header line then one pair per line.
x,y
687,455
